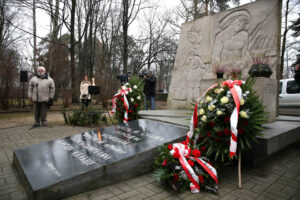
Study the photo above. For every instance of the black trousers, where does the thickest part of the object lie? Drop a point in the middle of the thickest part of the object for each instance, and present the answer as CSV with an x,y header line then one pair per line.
x,y
40,112
85,102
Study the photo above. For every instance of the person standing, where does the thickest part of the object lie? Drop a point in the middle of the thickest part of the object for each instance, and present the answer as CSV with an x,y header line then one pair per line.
x,y
41,91
149,90
84,92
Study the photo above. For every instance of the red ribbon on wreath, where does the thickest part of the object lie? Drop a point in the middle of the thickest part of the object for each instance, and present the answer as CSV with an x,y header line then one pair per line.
x,y
123,92
182,151
236,92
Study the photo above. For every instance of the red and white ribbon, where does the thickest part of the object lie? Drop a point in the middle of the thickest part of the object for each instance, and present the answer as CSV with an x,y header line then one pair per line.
x,y
184,152
123,92
194,118
236,92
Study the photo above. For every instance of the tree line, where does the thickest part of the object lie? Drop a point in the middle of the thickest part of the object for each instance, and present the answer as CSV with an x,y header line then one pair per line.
x,y
91,37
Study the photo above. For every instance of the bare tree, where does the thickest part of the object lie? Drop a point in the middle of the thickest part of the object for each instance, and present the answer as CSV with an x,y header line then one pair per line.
x,y
130,10
9,57
289,42
34,35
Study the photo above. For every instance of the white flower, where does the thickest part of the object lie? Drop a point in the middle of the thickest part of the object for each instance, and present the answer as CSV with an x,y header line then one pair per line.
x,y
134,87
201,102
216,91
244,114
242,101
224,100
203,118
208,99
219,112
221,90
201,111
130,90
177,167
138,98
127,84
211,107
132,99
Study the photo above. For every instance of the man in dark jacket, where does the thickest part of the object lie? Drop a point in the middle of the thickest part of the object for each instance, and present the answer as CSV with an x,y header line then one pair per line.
x,y
149,90
297,73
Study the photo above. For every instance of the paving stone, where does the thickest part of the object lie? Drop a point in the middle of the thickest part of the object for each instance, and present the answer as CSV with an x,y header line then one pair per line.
x,y
196,197
269,196
154,188
145,191
229,197
17,196
161,195
4,197
107,195
244,194
129,194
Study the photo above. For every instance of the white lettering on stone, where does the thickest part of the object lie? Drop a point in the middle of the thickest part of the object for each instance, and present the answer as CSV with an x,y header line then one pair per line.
x,y
66,146
115,139
155,137
128,136
83,158
114,148
90,148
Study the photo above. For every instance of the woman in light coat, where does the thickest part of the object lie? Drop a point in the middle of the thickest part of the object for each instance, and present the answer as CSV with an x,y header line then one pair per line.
x,y
84,92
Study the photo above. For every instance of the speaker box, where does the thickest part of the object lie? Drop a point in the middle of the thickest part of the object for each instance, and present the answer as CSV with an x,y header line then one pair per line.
x,y
23,76
94,90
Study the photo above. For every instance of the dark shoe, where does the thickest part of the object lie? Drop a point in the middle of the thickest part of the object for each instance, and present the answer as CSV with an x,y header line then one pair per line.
x,y
35,125
44,124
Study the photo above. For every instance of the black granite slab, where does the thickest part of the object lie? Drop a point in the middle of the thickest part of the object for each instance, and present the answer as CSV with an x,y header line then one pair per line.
x,y
75,164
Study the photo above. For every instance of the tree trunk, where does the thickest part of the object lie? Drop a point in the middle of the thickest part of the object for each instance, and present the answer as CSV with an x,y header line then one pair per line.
x,y
284,39
125,35
91,43
34,36
72,53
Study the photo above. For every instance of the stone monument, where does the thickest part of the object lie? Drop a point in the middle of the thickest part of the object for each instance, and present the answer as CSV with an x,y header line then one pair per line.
x,y
232,39
82,162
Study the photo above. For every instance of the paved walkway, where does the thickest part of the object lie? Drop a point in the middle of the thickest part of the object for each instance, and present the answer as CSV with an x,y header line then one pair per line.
x,y
277,178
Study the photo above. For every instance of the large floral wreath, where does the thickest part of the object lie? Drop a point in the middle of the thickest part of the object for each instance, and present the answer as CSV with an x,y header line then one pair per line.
x,y
128,100
227,118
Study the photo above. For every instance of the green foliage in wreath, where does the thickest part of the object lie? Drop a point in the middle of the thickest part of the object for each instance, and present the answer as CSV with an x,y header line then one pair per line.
x,y
135,98
168,171
213,133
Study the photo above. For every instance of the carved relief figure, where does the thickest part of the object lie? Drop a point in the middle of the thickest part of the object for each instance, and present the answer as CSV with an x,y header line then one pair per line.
x,y
231,42
194,64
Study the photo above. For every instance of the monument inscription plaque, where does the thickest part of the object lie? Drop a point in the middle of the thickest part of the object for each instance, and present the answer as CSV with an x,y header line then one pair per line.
x,y
78,163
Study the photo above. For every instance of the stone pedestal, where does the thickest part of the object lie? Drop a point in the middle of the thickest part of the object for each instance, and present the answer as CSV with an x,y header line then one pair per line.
x,y
266,89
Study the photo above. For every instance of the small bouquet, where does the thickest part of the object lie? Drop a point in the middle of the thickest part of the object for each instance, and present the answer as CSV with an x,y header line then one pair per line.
x,y
127,102
260,68
220,71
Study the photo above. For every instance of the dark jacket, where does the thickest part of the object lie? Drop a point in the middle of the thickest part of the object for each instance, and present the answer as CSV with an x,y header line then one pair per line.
x,y
149,88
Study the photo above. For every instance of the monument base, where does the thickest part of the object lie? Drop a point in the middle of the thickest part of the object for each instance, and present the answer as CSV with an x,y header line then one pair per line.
x,y
82,162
